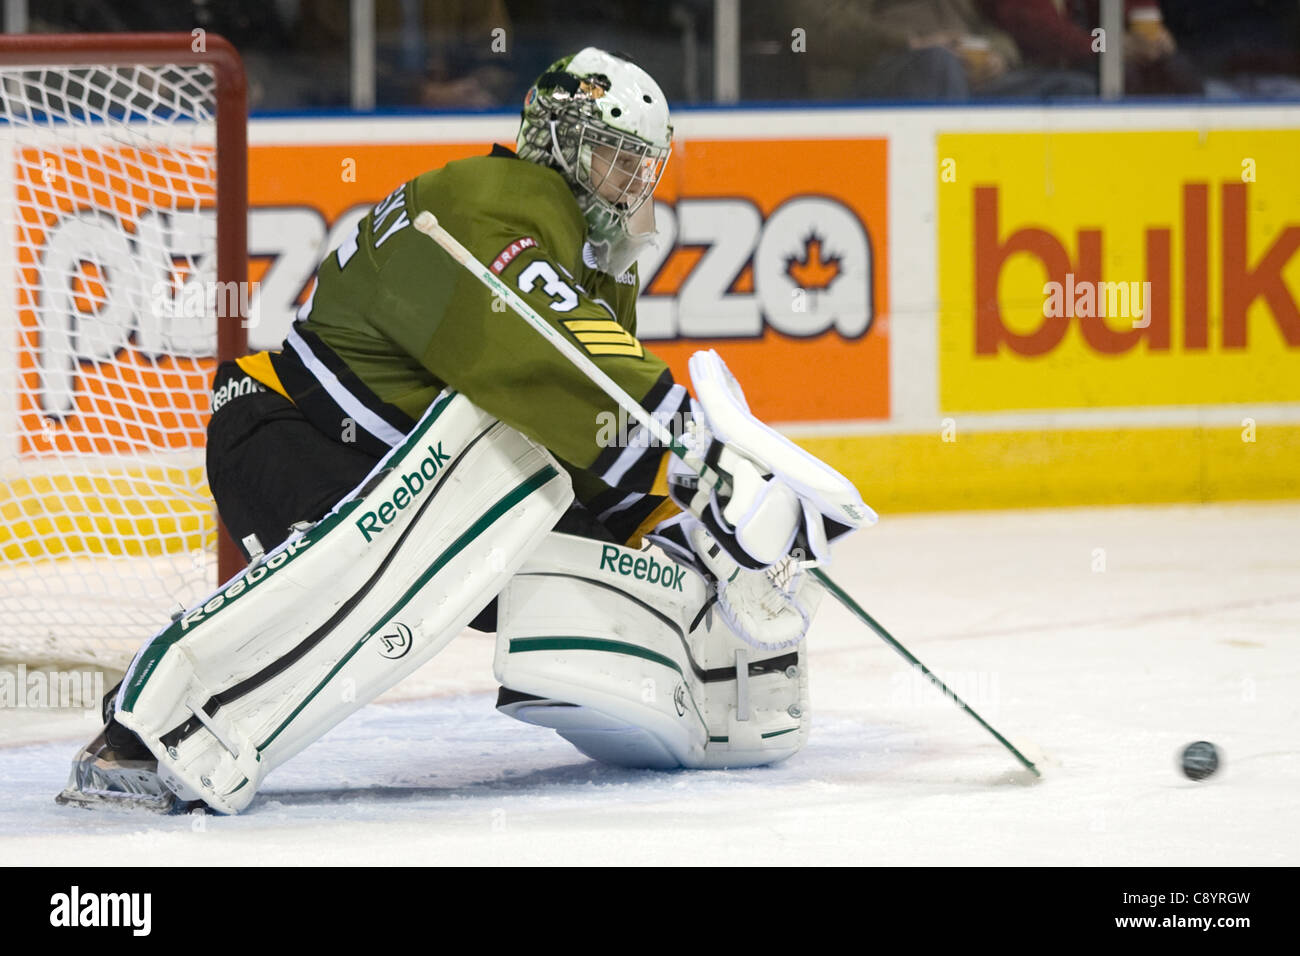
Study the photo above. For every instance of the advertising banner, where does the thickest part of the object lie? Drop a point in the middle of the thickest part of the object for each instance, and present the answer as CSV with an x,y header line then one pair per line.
x,y
1118,269
772,251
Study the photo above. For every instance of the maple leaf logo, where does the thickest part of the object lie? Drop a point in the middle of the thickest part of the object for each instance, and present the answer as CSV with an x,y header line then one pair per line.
x,y
813,272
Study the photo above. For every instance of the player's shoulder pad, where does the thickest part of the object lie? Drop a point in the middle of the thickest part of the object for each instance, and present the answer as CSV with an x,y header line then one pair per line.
x,y
517,195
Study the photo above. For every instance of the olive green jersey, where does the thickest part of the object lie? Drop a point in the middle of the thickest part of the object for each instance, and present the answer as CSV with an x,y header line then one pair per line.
x,y
393,320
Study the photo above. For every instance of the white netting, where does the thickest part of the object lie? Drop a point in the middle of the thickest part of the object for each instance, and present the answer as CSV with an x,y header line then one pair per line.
x,y
107,338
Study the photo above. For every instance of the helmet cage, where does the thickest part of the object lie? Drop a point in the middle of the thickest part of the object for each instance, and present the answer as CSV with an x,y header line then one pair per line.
x,y
567,123
613,169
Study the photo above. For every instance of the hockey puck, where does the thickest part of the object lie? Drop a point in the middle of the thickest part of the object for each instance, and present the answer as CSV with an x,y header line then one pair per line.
x,y
1200,760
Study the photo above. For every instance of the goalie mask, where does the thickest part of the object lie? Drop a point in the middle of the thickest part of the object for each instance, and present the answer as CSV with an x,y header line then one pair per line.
x,y
602,123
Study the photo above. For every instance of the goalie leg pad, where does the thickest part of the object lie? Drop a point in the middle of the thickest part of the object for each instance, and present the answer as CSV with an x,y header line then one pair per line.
x,y
616,650
343,610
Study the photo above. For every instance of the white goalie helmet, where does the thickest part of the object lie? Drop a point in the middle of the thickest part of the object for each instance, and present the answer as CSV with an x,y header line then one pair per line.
x,y
602,122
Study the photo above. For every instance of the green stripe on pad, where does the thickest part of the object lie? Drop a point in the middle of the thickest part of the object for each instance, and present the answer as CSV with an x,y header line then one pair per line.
x,y
522,491
139,675
610,647
524,644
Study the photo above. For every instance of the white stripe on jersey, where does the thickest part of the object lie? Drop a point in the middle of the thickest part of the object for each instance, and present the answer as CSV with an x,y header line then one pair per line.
x,y
639,444
350,404
623,505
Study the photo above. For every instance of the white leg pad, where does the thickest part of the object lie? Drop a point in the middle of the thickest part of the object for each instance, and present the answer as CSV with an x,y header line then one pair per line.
x,y
345,609
606,646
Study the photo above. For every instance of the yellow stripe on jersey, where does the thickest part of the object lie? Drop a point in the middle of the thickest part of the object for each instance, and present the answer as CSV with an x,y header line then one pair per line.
x,y
594,325
604,337
633,350
660,485
258,366
598,337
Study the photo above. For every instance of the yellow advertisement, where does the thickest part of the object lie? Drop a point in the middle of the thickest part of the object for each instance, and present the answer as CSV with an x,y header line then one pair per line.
x,y
1118,269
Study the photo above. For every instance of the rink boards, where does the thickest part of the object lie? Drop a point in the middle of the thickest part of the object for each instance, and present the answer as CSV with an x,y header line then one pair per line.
x,y
880,280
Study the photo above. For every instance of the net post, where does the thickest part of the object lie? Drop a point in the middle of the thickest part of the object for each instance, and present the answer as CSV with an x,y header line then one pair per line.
x,y
232,233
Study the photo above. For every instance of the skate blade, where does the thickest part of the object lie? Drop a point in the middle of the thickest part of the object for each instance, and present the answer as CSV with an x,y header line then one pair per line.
x,y
162,803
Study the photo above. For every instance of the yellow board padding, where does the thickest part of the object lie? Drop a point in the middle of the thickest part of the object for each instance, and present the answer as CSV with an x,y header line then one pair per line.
x,y
142,512
1066,467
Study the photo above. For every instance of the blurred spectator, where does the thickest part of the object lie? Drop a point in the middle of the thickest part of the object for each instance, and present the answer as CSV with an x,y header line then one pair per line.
x,y
256,22
256,28
437,53
669,40
1245,46
1059,33
915,49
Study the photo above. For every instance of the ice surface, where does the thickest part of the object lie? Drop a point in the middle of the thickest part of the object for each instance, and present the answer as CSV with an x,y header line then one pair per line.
x,y
1101,639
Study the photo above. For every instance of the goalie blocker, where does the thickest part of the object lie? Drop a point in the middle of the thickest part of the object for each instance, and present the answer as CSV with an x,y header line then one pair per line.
x,y
240,683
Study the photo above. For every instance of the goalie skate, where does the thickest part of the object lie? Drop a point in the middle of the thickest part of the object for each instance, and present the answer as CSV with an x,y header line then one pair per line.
x,y
103,777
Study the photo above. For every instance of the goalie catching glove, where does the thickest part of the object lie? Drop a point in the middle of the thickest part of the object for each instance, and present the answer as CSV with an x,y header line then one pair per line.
x,y
778,498
755,540
769,609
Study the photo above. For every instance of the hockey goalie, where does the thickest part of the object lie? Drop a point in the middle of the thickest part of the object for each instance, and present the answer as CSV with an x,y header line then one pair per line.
x,y
416,459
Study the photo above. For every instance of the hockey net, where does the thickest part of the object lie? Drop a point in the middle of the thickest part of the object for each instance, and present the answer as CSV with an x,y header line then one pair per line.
x,y
123,201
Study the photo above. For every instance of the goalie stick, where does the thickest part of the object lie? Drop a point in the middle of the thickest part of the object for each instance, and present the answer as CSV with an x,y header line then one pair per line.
x,y
427,223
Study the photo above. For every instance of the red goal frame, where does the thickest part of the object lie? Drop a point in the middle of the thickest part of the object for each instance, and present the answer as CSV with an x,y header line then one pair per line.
x,y
117,49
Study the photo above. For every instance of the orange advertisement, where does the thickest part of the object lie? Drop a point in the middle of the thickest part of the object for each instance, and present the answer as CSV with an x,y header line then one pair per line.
x,y
775,254
101,233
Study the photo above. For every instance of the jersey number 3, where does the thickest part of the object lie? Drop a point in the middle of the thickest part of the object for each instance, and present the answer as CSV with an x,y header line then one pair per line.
x,y
563,298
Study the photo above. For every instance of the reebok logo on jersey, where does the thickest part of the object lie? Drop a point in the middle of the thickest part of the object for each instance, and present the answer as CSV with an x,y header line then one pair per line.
x,y
235,388
642,569
508,254
373,522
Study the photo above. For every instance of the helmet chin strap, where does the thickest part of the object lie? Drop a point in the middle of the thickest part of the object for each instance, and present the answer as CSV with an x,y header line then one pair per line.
x,y
625,253
642,222
556,153
616,250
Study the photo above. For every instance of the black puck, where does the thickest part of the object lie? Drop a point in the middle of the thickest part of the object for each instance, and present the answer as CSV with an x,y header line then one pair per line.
x,y
1200,760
